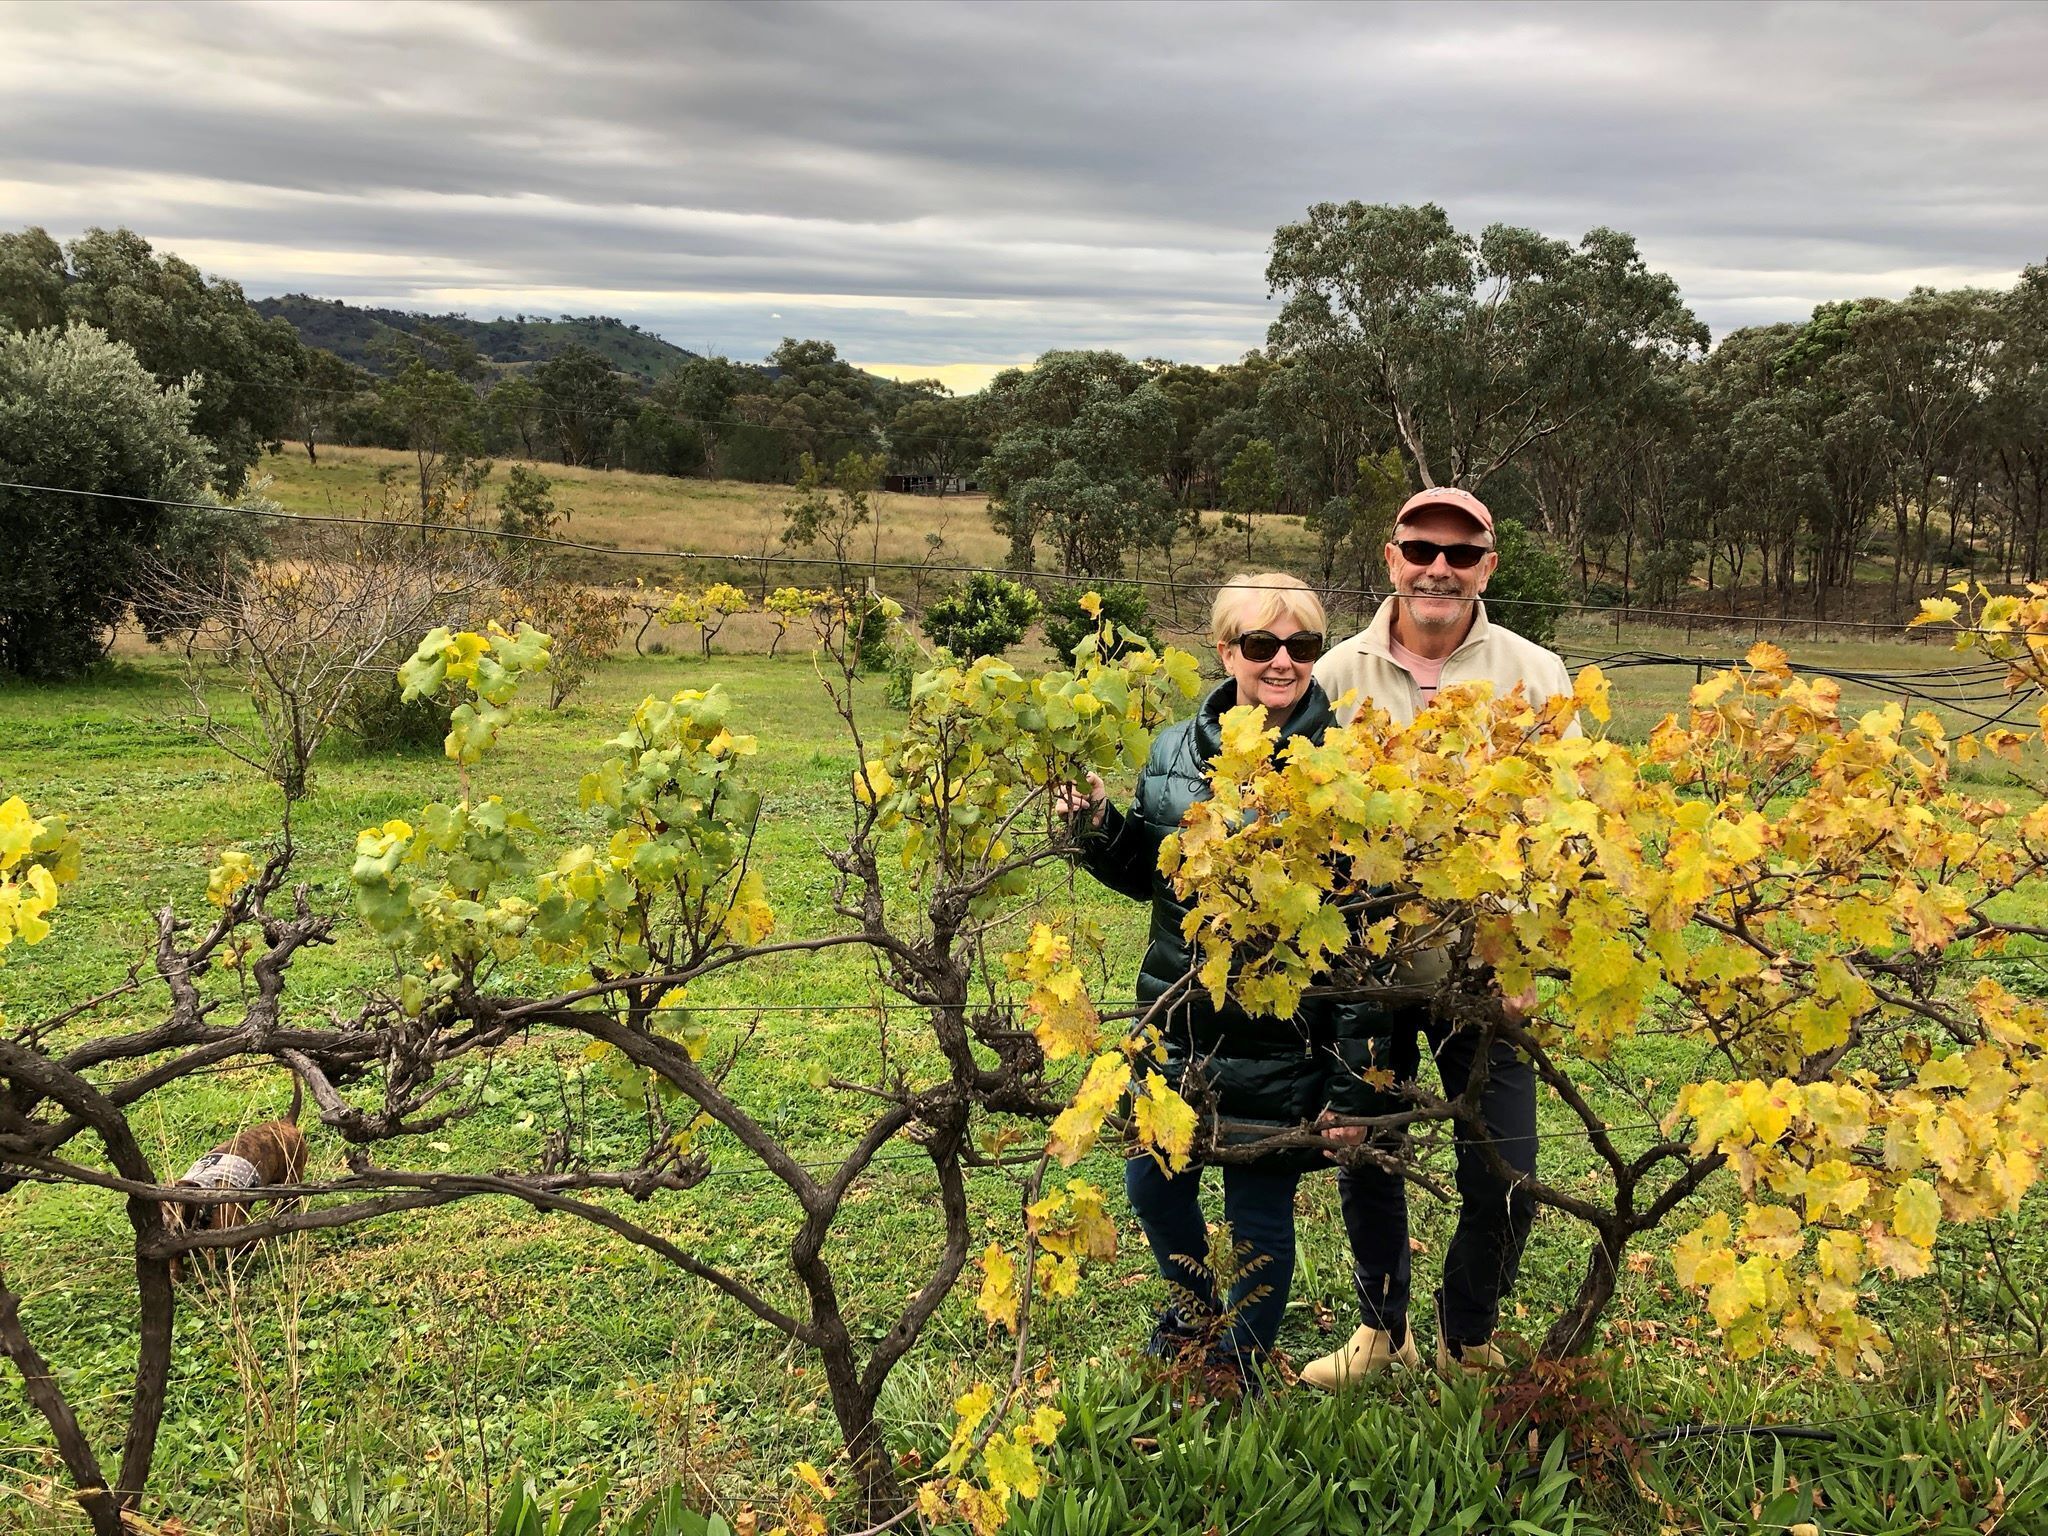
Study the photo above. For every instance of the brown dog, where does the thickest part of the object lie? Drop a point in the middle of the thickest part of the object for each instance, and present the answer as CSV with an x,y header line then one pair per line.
x,y
266,1155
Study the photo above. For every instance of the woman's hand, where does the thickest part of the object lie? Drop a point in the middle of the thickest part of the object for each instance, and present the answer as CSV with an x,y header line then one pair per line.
x,y
1350,1135
1522,1004
1069,800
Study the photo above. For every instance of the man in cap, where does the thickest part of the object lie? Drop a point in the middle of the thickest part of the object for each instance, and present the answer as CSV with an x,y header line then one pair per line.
x,y
1434,632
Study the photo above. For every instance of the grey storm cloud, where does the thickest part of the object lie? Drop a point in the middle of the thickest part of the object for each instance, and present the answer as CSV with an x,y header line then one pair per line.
x,y
938,183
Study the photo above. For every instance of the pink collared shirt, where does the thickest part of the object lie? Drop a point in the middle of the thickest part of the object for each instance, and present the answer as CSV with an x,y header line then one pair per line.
x,y
1427,672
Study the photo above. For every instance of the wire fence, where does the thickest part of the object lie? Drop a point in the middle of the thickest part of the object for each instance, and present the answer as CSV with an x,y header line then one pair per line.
x,y
1976,692
1690,618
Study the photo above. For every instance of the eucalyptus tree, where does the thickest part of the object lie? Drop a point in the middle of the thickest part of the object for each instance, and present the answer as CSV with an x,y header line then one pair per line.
x,y
1926,360
1471,350
181,324
1078,453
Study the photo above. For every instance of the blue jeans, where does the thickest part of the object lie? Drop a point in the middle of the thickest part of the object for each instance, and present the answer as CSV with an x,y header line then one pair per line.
x,y
1259,1205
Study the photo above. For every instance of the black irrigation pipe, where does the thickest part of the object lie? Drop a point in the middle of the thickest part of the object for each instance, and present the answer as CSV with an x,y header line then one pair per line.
x,y
1674,1433
278,514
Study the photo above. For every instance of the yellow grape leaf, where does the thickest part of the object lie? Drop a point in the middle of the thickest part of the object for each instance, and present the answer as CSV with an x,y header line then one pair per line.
x,y
1952,1071
1011,1467
235,870
1769,659
1946,1146
1058,1275
1768,1111
1699,1257
1747,1289
1773,1230
1075,1128
1589,692
1887,1250
1835,1185
1706,695
999,1298
969,1409
1936,610
1066,1019
1916,1212
1094,1231
751,919
873,782
1165,1123
814,1479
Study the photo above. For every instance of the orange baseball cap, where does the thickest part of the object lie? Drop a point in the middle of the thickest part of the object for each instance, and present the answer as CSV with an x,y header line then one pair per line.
x,y
1446,496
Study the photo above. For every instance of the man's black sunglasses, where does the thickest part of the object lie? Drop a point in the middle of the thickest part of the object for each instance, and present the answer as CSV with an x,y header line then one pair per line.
x,y
1462,557
1264,645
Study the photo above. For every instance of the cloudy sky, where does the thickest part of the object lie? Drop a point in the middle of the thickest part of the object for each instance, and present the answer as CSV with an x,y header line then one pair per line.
x,y
962,186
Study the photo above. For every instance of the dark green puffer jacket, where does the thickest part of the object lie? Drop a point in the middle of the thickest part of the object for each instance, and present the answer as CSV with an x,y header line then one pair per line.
x,y
1268,1069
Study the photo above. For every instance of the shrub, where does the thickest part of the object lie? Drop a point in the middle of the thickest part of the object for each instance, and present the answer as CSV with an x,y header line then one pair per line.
x,y
1526,591
381,719
1124,604
871,640
526,506
984,617
1665,570
586,623
302,638
78,411
905,662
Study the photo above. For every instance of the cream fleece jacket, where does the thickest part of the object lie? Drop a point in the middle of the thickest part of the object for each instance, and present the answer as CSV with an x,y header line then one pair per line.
x,y
1364,665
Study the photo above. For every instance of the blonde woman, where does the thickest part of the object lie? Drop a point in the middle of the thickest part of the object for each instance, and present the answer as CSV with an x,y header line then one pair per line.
x,y
1268,629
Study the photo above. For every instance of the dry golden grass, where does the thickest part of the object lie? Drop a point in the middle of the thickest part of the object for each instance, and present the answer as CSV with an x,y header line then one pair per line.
x,y
621,510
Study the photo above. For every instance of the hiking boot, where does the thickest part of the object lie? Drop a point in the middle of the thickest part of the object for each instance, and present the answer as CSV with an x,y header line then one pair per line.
x,y
1173,1340
1369,1350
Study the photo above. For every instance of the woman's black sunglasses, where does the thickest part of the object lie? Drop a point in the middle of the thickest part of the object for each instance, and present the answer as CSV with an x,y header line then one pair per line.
x,y
1462,557
1264,645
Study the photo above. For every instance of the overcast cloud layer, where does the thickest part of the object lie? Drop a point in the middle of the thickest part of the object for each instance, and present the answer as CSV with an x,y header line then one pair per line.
x,y
928,183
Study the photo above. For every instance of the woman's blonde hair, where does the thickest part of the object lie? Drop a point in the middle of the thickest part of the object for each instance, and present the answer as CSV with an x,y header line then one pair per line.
x,y
1255,601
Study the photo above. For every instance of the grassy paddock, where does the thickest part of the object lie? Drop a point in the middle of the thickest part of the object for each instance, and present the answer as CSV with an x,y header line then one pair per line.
x,y
619,509
388,1376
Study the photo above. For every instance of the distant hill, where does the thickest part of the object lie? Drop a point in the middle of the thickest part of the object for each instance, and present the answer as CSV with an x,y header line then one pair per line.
x,y
375,338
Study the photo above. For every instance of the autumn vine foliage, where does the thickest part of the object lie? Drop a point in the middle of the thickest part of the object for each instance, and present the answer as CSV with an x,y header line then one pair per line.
x,y
1816,901
498,937
38,858
1810,897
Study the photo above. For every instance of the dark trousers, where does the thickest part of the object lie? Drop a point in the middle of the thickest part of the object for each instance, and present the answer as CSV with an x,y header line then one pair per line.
x,y
1259,1205
1493,1213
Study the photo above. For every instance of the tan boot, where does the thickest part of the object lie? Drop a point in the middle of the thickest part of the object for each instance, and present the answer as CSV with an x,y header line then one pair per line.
x,y
1369,1350
1471,1360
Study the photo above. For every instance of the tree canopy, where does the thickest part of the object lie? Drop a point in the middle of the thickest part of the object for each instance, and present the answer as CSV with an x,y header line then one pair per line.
x,y
244,369
79,411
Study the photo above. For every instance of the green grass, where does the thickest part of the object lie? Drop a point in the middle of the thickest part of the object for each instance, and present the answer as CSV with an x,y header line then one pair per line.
x,y
405,1366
